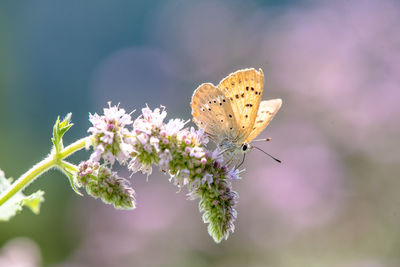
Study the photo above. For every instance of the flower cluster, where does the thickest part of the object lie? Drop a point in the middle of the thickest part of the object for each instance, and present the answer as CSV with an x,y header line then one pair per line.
x,y
100,182
177,151
110,137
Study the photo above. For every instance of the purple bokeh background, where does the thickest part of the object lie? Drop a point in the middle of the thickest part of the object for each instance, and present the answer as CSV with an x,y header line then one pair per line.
x,y
334,200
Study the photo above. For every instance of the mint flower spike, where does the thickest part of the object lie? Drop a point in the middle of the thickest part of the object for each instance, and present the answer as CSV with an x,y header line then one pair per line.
x,y
181,153
111,140
140,144
100,182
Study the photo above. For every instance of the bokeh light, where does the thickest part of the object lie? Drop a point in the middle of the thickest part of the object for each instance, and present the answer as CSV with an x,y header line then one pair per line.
x,y
333,201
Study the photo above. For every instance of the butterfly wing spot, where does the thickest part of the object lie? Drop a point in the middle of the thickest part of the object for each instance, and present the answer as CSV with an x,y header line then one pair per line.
x,y
269,112
239,94
236,114
210,111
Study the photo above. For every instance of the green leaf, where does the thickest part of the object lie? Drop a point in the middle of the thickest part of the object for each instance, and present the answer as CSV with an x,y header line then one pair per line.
x,y
33,201
59,129
71,181
15,204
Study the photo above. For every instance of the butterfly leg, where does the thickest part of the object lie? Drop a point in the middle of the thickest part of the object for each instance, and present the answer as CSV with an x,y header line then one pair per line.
x,y
229,158
241,163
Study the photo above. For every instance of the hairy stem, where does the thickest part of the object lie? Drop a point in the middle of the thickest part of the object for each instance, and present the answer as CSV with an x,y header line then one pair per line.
x,y
72,148
27,178
69,166
53,160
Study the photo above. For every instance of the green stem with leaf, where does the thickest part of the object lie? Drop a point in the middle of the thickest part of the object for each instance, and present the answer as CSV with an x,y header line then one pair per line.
x,y
54,160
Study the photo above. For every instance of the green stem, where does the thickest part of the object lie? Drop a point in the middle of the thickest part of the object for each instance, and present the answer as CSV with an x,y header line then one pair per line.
x,y
72,148
69,166
27,178
53,160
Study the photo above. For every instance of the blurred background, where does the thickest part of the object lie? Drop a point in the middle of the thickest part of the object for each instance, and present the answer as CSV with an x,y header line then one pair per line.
x,y
334,201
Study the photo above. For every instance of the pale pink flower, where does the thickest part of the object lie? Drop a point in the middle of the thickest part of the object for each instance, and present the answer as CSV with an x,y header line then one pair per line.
x,y
197,152
143,138
165,158
109,133
154,141
97,153
174,126
233,174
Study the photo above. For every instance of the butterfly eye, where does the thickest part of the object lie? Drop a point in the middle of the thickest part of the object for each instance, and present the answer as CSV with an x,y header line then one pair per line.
x,y
244,147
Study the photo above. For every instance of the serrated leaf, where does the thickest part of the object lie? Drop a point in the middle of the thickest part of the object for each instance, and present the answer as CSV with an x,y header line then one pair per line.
x,y
33,201
15,204
55,138
59,129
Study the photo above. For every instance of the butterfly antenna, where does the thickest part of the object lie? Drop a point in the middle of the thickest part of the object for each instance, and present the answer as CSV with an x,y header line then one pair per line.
x,y
244,156
263,140
268,154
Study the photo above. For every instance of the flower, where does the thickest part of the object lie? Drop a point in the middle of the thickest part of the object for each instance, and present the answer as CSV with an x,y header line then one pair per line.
x,y
174,126
199,136
97,153
181,153
197,152
100,182
143,138
154,141
207,178
233,174
135,165
156,117
177,151
165,158
86,168
110,136
216,156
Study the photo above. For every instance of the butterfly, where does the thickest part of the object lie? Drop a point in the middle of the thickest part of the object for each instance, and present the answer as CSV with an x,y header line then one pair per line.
x,y
232,113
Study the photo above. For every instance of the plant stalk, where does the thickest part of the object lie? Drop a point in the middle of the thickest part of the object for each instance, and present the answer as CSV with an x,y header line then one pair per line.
x,y
53,160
